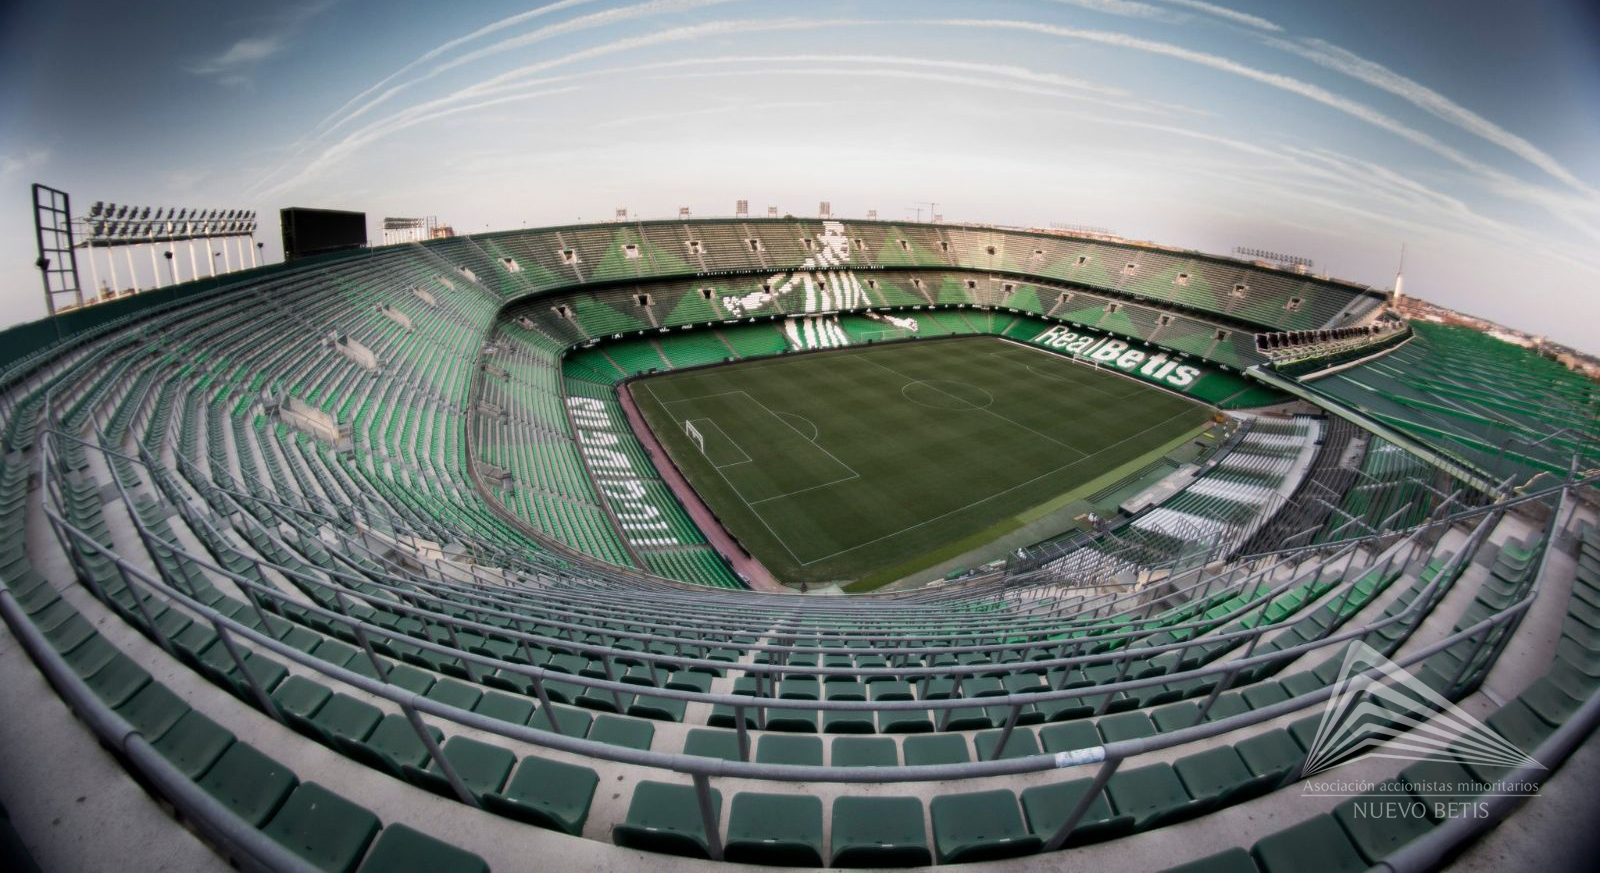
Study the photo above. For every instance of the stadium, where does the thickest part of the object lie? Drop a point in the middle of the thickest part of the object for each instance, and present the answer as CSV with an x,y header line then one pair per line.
x,y
708,543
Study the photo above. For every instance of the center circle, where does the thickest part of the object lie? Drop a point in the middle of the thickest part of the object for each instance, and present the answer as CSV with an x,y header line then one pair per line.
x,y
947,394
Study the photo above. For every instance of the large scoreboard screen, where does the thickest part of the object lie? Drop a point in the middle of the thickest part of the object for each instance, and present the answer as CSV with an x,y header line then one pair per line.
x,y
318,231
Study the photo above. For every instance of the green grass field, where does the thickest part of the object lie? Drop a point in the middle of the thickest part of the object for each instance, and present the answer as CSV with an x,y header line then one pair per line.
x,y
842,465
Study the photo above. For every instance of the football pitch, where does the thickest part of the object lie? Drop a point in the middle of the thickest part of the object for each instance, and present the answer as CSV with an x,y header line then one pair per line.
x,y
850,464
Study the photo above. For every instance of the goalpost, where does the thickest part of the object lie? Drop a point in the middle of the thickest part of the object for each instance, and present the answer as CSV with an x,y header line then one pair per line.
x,y
694,434
888,333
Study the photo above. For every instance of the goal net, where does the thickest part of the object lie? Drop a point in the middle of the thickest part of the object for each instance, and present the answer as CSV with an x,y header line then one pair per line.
x,y
694,434
886,334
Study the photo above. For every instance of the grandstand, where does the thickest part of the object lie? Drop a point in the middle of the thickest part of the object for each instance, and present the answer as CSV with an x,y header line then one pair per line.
x,y
359,563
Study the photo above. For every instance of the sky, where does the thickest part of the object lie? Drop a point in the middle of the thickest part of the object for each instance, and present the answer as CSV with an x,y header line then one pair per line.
x,y
1467,130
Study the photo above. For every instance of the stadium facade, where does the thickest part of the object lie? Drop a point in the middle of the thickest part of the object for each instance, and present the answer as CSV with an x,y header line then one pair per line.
x,y
357,559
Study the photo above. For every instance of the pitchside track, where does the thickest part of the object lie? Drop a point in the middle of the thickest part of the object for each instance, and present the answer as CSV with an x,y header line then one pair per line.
x,y
837,466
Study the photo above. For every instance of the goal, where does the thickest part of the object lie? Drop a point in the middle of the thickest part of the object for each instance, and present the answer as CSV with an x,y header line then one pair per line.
x,y
886,334
693,433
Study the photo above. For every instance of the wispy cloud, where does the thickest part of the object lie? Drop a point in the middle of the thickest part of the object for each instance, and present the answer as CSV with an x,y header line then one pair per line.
x,y
1226,14
13,164
1429,100
443,48
564,28
1125,8
1578,212
532,75
244,52
233,65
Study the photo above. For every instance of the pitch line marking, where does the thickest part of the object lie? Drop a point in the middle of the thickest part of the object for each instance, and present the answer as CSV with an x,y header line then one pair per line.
x,y
984,409
815,433
967,405
1072,379
994,495
862,352
713,423
753,511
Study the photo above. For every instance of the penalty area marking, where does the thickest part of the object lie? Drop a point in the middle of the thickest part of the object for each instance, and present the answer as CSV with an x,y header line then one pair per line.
x,y
809,423
713,422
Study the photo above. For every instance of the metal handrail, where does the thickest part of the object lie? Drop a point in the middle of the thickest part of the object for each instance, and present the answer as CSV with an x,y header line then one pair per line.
x,y
1108,755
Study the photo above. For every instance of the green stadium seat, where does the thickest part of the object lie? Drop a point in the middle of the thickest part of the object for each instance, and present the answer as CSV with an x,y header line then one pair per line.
x,y
1219,776
574,722
481,767
847,722
1153,795
392,746
711,743
1520,725
153,710
1021,744
298,699
249,783
980,826
400,849
344,716
1272,754
879,832
1047,808
657,708
777,749
193,743
411,679
325,829
864,752
1376,833
666,818
936,749
1316,845
550,794
905,721
620,730
1069,736
848,689
498,704
775,829
798,721
451,692
1126,726
722,716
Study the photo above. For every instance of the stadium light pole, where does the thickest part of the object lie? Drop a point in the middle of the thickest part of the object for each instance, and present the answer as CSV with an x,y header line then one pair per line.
x,y
115,282
172,270
255,251
94,271
133,278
